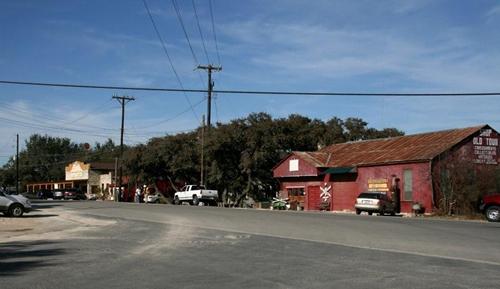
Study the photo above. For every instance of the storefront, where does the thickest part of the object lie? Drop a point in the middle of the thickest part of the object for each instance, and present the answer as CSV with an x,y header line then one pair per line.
x,y
402,167
90,177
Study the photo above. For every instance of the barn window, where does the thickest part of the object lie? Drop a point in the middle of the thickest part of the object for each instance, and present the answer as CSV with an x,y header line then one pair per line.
x,y
408,185
293,165
295,192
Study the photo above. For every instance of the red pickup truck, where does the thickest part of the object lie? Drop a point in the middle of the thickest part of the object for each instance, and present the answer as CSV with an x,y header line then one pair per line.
x,y
490,205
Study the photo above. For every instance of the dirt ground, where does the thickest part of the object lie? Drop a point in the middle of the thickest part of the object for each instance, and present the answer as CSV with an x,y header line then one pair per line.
x,y
46,224
11,227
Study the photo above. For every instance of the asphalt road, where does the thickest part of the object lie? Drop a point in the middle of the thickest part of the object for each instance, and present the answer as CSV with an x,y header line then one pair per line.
x,y
110,245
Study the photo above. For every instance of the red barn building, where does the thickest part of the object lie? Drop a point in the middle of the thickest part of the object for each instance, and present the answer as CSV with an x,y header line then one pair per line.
x,y
403,167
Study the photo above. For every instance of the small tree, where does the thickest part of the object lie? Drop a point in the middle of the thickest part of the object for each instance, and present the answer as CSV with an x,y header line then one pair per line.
x,y
459,184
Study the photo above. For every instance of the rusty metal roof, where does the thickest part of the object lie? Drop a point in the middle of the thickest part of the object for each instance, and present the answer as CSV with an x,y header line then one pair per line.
x,y
317,159
410,148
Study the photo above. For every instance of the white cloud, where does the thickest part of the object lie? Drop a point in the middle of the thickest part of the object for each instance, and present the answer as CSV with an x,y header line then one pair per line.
x,y
409,6
80,124
493,12
318,52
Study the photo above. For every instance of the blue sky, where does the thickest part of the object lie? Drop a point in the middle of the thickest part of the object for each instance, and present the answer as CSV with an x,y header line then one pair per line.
x,y
322,45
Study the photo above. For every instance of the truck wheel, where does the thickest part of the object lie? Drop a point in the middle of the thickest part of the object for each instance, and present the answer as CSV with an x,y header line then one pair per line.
x,y
16,210
176,200
493,214
358,211
195,201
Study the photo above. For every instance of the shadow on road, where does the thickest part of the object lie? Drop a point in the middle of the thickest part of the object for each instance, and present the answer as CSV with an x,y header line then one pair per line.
x,y
39,215
19,257
32,216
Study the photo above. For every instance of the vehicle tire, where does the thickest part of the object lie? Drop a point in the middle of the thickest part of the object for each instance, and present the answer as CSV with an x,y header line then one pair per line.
x,y
16,210
176,200
195,201
157,201
358,212
381,212
370,213
393,213
493,214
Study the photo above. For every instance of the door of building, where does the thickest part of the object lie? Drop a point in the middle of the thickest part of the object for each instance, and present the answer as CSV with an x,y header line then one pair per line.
x,y
296,197
313,198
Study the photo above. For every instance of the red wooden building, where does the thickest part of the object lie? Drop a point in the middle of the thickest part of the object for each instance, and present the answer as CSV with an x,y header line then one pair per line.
x,y
403,167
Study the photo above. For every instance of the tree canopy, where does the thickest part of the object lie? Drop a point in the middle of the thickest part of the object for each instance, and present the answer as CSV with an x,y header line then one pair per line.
x,y
238,155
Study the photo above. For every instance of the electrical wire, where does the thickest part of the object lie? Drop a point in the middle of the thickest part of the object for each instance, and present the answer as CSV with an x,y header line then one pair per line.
x,y
169,58
257,92
213,31
179,17
95,111
173,117
199,30
52,128
42,117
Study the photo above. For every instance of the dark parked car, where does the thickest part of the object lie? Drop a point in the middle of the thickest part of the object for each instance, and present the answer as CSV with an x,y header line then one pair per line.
x,y
74,194
374,202
45,194
490,206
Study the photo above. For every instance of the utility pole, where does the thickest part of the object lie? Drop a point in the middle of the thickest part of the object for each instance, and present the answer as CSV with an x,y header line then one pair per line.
x,y
209,68
115,195
123,100
17,164
202,171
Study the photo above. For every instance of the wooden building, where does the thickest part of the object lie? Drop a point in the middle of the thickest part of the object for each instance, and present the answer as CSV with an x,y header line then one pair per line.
x,y
404,167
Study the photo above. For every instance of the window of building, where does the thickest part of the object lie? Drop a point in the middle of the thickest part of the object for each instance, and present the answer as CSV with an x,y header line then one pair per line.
x,y
296,192
408,185
293,165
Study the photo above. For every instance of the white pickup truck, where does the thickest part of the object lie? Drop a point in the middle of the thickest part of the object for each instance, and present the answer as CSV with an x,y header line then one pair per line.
x,y
195,194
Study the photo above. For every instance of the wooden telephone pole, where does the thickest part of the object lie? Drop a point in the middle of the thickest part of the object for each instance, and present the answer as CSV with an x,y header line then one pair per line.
x,y
209,68
123,100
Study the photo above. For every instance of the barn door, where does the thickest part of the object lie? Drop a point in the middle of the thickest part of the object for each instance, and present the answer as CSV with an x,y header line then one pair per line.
x,y
313,198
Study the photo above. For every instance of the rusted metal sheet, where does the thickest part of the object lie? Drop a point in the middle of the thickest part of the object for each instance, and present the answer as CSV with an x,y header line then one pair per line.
x,y
411,148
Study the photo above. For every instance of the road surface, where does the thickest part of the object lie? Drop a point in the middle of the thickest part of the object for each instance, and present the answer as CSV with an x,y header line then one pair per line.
x,y
122,245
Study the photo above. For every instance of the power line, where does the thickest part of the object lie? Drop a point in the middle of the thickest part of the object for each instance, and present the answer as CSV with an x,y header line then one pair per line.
x,y
168,57
57,129
257,92
213,31
179,17
45,119
199,29
172,118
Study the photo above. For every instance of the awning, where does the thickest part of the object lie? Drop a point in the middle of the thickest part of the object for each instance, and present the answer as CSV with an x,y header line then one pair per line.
x,y
340,170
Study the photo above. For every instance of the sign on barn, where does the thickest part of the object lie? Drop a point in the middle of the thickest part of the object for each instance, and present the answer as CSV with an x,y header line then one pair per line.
x,y
378,185
485,147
